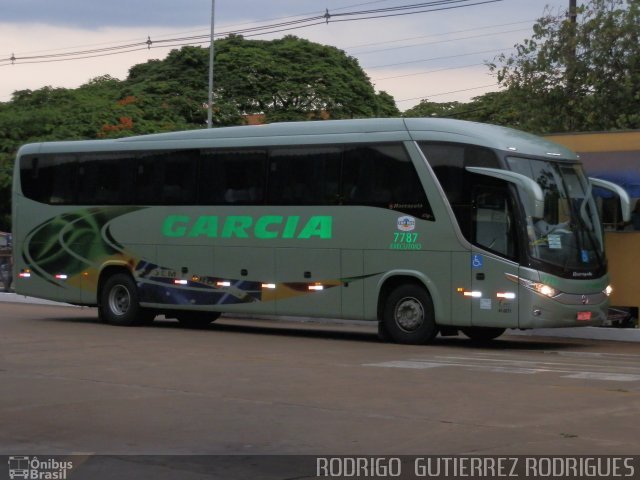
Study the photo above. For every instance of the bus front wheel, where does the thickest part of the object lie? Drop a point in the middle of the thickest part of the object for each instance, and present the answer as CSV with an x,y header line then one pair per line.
x,y
408,315
119,302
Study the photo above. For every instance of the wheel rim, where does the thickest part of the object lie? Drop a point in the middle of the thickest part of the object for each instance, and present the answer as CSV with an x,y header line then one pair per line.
x,y
409,314
119,300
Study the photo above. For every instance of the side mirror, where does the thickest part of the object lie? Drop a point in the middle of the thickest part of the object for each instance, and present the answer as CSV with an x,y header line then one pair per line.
x,y
528,185
625,201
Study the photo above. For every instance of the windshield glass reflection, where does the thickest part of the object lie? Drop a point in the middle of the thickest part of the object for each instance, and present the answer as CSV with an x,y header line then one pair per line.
x,y
569,235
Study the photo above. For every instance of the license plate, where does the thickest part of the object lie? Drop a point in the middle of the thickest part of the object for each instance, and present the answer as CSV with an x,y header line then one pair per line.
x,y
584,315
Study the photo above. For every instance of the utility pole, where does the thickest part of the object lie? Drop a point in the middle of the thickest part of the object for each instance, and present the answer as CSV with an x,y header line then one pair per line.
x,y
571,59
210,105
572,11
573,21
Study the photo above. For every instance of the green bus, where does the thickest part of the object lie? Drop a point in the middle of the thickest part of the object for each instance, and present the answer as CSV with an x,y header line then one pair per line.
x,y
425,226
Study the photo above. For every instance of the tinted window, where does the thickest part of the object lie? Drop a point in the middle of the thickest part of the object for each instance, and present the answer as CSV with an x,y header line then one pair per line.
x,y
371,175
383,176
232,177
105,179
49,178
304,176
493,219
448,162
166,178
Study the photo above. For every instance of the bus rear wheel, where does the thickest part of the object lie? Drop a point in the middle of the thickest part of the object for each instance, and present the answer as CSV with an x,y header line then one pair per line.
x,y
482,334
408,315
119,302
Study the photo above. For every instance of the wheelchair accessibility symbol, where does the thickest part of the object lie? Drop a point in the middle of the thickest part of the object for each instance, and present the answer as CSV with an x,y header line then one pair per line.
x,y
477,261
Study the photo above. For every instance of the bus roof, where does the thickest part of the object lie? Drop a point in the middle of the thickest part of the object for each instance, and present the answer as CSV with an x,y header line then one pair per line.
x,y
325,131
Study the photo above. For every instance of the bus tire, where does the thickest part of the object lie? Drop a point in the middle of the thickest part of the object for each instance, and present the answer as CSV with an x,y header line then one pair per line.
x,y
119,302
408,315
197,319
482,334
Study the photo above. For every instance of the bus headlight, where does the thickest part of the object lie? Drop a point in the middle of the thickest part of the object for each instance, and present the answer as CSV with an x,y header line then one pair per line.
x,y
541,288
607,291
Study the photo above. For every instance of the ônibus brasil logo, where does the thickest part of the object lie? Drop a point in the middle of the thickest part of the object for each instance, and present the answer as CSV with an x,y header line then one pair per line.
x,y
406,223
33,468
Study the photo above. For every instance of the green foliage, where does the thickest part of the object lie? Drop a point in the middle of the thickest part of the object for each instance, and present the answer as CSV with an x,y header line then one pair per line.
x,y
548,88
582,76
292,79
386,106
432,109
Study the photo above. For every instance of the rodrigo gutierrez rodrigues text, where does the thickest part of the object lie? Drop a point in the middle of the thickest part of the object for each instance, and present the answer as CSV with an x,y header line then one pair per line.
x,y
478,467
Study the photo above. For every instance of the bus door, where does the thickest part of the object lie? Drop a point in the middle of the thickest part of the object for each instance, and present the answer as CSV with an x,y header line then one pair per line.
x,y
494,295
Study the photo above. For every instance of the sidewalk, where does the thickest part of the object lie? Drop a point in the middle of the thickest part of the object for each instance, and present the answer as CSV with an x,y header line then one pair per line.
x,y
592,333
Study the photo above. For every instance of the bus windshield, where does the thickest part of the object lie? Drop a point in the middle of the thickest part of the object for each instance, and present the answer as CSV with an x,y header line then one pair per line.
x,y
569,235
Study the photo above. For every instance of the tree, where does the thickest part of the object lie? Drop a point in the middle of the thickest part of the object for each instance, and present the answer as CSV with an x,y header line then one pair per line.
x,y
577,76
284,79
293,79
386,105
433,109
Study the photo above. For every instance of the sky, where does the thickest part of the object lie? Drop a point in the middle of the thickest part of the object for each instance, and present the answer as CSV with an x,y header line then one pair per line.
x,y
439,55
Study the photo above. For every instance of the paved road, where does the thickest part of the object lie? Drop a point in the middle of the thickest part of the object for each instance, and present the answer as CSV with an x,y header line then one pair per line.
x,y
71,384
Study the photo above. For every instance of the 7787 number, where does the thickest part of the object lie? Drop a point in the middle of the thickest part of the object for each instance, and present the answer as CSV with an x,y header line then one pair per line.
x,y
405,237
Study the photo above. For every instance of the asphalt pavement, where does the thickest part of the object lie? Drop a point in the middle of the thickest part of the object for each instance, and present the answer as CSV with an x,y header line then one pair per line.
x,y
592,333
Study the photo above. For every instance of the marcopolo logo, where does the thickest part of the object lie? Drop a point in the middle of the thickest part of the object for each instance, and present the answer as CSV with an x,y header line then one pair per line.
x,y
245,226
33,468
406,223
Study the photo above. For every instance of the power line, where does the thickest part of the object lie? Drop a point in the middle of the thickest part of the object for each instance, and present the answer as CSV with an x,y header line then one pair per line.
x,y
446,57
431,6
201,30
443,41
427,72
447,93
418,11
474,29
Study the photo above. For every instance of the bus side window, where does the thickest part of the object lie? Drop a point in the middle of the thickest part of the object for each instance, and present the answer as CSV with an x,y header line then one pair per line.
x,y
148,175
383,176
49,178
493,220
31,179
448,161
304,176
232,177
179,186
166,177
105,179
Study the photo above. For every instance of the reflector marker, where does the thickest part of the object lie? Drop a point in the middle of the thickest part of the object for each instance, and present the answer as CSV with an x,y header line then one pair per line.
x,y
469,293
